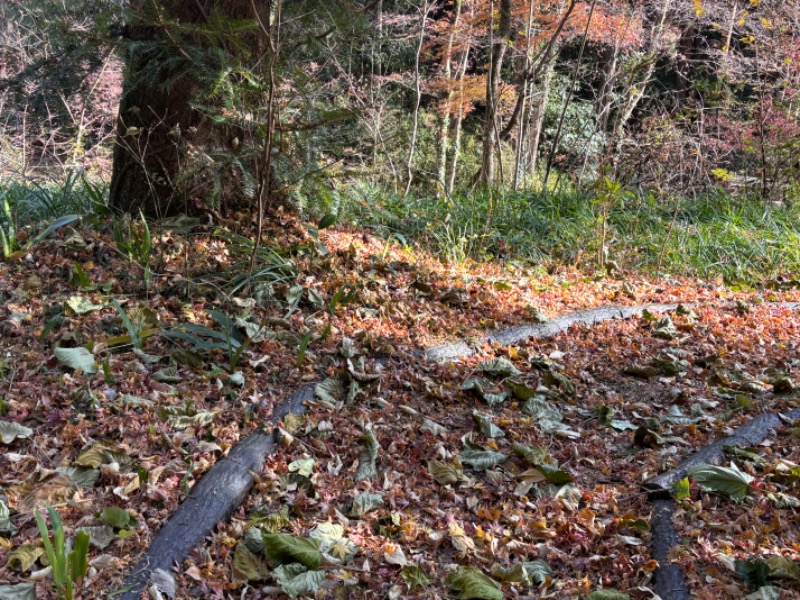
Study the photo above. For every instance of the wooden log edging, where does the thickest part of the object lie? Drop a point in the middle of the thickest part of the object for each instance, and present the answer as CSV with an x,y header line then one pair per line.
x,y
218,493
506,337
669,582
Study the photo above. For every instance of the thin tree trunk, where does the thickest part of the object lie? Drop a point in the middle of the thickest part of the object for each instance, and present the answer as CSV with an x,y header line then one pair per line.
x,y
418,89
499,46
445,116
524,92
538,108
451,179
638,89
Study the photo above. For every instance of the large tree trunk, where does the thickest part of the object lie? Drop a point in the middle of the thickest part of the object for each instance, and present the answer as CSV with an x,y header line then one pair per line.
x,y
169,155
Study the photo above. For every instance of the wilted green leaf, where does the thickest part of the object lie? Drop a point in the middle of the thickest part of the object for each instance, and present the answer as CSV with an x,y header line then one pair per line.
x,y
767,592
516,574
6,527
77,358
480,460
753,572
432,427
414,576
167,375
622,425
498,366
368,457
728,481
20,591
480,388
608,594
446,473
100,536
468,583
332,541
284,549
519,390
364,503
643,371
562,383
115,516
273,522
783,567
81,305
486,427
538,570
9,431
248,566
750,454
647,438
330,390
665,329
24,557
100,454
534,456
553,474
295,580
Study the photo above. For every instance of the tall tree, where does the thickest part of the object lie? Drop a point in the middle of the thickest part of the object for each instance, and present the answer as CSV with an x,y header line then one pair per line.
x,y
169,152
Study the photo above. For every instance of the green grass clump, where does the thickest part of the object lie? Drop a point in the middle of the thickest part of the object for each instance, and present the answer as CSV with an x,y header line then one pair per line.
x,y
745,240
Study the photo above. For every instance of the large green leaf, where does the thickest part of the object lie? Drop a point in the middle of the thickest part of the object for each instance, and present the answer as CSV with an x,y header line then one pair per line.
x,y
116,517
468,583
414,576
608,594
480,460
728,481
285,549
20,591
368,457
446,473
9,431
486,427
499,366
295,580
248,566
77,358
364,503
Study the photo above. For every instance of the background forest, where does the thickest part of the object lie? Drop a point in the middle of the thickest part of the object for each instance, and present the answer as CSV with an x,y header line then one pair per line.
x,y
359,299
660,133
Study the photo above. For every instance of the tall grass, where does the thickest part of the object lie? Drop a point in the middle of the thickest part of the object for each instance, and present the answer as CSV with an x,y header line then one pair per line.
x,y
743,240
34,201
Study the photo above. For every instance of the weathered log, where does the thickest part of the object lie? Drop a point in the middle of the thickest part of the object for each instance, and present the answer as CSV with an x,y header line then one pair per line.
x,y
514,335
749,434
212,500
668,582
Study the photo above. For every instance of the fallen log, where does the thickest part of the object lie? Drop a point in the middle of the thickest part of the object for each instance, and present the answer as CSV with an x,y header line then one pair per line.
x,y
668,578
211,501
548,329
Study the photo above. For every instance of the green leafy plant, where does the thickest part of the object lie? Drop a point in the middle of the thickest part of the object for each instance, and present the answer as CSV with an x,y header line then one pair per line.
x,y
206,339
68,558
135,242
8,232
140,324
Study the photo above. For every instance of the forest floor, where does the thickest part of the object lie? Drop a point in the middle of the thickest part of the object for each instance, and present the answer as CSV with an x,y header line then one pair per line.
x,y
411,482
